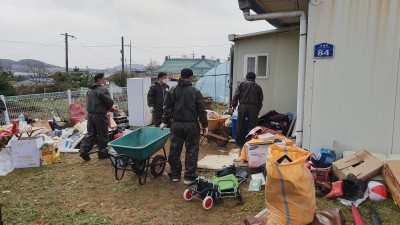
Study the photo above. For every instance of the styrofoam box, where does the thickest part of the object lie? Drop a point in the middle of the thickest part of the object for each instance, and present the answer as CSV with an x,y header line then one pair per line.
x,y
26,152
257,155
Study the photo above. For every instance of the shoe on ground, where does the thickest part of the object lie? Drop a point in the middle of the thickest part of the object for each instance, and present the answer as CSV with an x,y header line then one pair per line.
x,y
189,182
84,156
174,179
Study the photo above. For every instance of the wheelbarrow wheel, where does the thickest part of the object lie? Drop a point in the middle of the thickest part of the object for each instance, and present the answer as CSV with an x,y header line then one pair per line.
x,y
157,165
188,194
207,202
138,166
221,142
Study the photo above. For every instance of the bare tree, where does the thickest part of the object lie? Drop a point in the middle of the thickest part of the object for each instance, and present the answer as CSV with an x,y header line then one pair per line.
x,y
153,64
37,71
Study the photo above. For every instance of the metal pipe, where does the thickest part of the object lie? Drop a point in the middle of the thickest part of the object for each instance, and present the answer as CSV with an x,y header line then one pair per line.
x,y
302,61
6,116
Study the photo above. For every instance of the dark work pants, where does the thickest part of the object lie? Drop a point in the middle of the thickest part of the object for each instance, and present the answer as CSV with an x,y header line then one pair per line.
x,y
97,130
188,133
157,116
251,113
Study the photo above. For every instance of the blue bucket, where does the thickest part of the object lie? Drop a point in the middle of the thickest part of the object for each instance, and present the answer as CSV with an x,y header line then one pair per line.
x,y
234,125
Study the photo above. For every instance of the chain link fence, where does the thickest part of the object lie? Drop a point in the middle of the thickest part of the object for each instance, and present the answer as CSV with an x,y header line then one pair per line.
x,y
44,106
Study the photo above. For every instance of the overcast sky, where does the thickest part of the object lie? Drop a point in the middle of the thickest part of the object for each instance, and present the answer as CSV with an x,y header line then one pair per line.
x,y
157,28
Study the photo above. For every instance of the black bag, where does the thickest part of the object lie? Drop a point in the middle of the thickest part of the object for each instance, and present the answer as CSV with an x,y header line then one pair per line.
x,y
2,106
275,121
226,170
206,188
242,175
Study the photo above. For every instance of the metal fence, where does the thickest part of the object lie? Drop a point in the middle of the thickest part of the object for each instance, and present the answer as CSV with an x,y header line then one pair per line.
x,y
43,106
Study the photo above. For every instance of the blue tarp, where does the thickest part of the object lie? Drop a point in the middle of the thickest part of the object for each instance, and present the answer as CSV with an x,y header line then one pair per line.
x,y
215,83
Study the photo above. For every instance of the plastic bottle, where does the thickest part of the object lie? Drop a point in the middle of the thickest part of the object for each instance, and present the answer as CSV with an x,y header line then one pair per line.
x,y
21,117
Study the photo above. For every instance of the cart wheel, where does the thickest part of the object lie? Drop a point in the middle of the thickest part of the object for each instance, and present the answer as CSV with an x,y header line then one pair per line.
x,y
157,165
138,166
207,202
188,194
239,197
221,142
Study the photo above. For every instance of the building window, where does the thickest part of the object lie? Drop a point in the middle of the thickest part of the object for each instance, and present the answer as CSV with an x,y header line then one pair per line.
x,y
257,63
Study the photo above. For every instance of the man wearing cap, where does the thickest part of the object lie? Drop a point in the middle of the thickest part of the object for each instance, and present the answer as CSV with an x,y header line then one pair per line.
x,y
183,110
99,102
155,97
250,97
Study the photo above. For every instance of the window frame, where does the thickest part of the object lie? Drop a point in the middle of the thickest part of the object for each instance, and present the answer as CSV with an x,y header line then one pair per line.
x,y
256,56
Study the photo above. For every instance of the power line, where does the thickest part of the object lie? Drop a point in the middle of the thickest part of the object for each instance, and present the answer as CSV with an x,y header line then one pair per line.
x,y
193,46
117,45
54,45
31,43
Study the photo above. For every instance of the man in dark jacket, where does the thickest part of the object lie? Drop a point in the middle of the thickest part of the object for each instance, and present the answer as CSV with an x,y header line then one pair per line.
x,y
250,97
99,102
155,97
185,107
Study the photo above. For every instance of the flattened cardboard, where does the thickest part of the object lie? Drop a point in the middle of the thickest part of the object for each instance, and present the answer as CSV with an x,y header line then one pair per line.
x,y
362,164
391,174
43,124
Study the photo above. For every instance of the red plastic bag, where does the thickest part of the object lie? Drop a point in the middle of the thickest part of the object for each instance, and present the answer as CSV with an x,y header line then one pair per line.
x,y
76,113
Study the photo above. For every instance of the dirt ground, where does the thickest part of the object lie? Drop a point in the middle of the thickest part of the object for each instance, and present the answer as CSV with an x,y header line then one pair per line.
x,y
88,191
78,192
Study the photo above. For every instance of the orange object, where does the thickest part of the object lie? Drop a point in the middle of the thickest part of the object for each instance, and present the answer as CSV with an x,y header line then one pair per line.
x,y
358,220
336,191
289,187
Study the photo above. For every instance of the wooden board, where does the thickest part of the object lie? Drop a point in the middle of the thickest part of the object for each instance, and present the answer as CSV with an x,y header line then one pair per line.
x,y
216,162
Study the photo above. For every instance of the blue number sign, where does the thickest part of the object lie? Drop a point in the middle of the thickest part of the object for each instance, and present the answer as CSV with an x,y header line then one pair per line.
x,y
323,50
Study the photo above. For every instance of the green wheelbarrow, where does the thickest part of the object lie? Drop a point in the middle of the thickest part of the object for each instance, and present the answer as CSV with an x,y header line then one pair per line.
x,y
135,151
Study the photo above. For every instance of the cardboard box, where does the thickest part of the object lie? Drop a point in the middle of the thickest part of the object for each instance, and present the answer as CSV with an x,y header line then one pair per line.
x,y
362,164
26,152
257,155
391,174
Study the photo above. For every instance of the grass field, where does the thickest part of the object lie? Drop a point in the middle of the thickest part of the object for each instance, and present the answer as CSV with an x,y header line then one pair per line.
x,y
76,192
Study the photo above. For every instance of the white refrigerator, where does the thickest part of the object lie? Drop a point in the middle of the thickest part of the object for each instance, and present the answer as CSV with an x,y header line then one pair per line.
x,y
138,110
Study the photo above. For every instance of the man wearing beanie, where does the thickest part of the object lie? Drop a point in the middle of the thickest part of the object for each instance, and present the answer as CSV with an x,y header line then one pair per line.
x,y
99,102
250,97
183,110
155,97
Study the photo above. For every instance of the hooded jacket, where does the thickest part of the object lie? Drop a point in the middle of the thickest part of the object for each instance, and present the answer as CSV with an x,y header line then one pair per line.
x,y
184,103
155,97
98,99
248,92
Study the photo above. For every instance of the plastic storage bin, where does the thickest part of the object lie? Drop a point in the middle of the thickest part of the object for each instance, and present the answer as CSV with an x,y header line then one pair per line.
x,y
234,125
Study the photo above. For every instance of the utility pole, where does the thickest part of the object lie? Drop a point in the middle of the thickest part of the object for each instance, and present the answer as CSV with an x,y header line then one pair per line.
x,y
193,54
122,52
130,56
66,50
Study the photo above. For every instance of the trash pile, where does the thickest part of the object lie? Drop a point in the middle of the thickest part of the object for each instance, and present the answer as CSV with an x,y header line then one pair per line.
x,y
29,142
295,178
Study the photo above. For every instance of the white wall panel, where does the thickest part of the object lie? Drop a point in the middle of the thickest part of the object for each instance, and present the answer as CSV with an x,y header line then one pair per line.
x,y
280,90
352,97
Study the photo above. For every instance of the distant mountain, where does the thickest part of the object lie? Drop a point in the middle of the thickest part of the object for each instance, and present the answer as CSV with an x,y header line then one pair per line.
x,y
21,65
14,65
